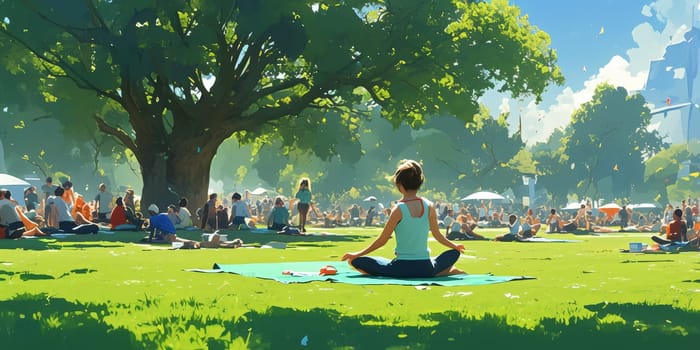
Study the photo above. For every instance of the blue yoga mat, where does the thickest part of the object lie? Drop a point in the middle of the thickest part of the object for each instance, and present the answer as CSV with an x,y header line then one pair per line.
x,y
302,272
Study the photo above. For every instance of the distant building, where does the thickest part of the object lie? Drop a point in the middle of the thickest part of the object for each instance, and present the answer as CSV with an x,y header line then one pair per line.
x,y
672,88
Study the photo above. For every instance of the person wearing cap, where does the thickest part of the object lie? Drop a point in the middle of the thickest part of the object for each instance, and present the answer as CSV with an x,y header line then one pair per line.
x,y
162,229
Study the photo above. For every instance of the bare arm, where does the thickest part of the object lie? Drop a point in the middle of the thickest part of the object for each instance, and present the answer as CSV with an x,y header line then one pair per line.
x,y
394,219
435,230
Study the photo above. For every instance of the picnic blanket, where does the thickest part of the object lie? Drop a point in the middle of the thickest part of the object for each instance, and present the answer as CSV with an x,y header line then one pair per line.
x,y
547,240
302,272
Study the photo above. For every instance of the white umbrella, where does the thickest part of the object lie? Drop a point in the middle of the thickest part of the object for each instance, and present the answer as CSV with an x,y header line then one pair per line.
x,y
370,199
643,206
608,206
483,195
258,191
15,185
572,206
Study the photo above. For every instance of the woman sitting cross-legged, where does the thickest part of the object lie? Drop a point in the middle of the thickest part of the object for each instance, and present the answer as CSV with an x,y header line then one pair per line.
x,y
410,220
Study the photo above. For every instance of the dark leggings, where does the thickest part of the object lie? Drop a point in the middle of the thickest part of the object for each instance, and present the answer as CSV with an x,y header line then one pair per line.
x,y
72,227
303,211
377,266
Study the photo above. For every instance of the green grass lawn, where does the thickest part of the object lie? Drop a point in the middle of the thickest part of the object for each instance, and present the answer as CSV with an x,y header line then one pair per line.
x,y
111,292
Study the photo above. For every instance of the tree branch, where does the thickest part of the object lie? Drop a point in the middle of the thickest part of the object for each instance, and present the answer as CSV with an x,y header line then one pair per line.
x,y
282,86
59,62
117,133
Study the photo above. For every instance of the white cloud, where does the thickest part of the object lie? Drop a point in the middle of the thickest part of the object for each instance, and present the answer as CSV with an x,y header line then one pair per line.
x,y
539,122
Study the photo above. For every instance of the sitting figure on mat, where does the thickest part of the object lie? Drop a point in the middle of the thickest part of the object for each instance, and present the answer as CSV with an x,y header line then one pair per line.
x,y
464,232
279,216
410,220
12,218
553,222
517,231
161,229
676,231
62,214
119,220
531,223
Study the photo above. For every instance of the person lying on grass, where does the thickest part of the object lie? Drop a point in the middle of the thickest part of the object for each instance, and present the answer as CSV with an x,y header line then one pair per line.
x,y
410,220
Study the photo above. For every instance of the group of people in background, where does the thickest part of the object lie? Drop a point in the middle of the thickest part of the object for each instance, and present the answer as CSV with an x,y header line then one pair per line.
x,y
243,213
61,208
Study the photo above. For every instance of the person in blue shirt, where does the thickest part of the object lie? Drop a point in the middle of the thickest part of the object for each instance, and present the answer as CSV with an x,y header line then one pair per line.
x,y
410,220
514,230
303,197
279,216
161,228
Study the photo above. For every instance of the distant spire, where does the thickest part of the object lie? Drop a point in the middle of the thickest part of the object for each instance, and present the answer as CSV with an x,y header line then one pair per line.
x,y
3,167
520,127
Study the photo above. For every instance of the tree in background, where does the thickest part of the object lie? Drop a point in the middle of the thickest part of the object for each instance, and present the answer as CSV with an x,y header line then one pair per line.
x,y
608,140
661,173
479,155
184,76
553,168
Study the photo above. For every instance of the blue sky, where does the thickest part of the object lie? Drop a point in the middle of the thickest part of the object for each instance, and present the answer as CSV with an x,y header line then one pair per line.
x,y
596,41
574,27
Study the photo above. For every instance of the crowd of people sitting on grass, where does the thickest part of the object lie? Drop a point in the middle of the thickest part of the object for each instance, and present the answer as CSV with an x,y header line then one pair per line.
x,y
59,208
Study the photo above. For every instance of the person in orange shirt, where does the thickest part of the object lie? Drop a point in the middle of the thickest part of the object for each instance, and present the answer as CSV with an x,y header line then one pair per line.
x,y
81,212
676,230
68,194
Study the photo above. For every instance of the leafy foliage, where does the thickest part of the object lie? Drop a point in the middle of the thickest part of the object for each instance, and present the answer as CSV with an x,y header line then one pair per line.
x,y
186,75
608,138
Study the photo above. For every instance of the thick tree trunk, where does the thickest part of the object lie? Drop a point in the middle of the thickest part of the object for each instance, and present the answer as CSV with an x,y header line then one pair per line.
x,y
189,177
156,189
182,172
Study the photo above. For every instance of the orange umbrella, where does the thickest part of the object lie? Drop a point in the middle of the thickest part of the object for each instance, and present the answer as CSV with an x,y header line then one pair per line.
x,y
610,209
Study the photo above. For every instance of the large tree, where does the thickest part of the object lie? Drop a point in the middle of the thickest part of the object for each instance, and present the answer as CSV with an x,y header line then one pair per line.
x,y
608,139
188,74
479,155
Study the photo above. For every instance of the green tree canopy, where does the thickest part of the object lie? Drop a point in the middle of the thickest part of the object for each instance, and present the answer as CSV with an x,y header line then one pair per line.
x,y
608,138
186,75
661,172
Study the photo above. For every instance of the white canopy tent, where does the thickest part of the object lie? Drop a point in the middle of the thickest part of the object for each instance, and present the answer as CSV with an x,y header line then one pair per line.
x,y
15,185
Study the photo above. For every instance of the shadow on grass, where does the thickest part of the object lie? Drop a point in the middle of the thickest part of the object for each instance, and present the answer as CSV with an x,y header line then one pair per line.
x,y
36,321
39,322
118,239
71,242
28,276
